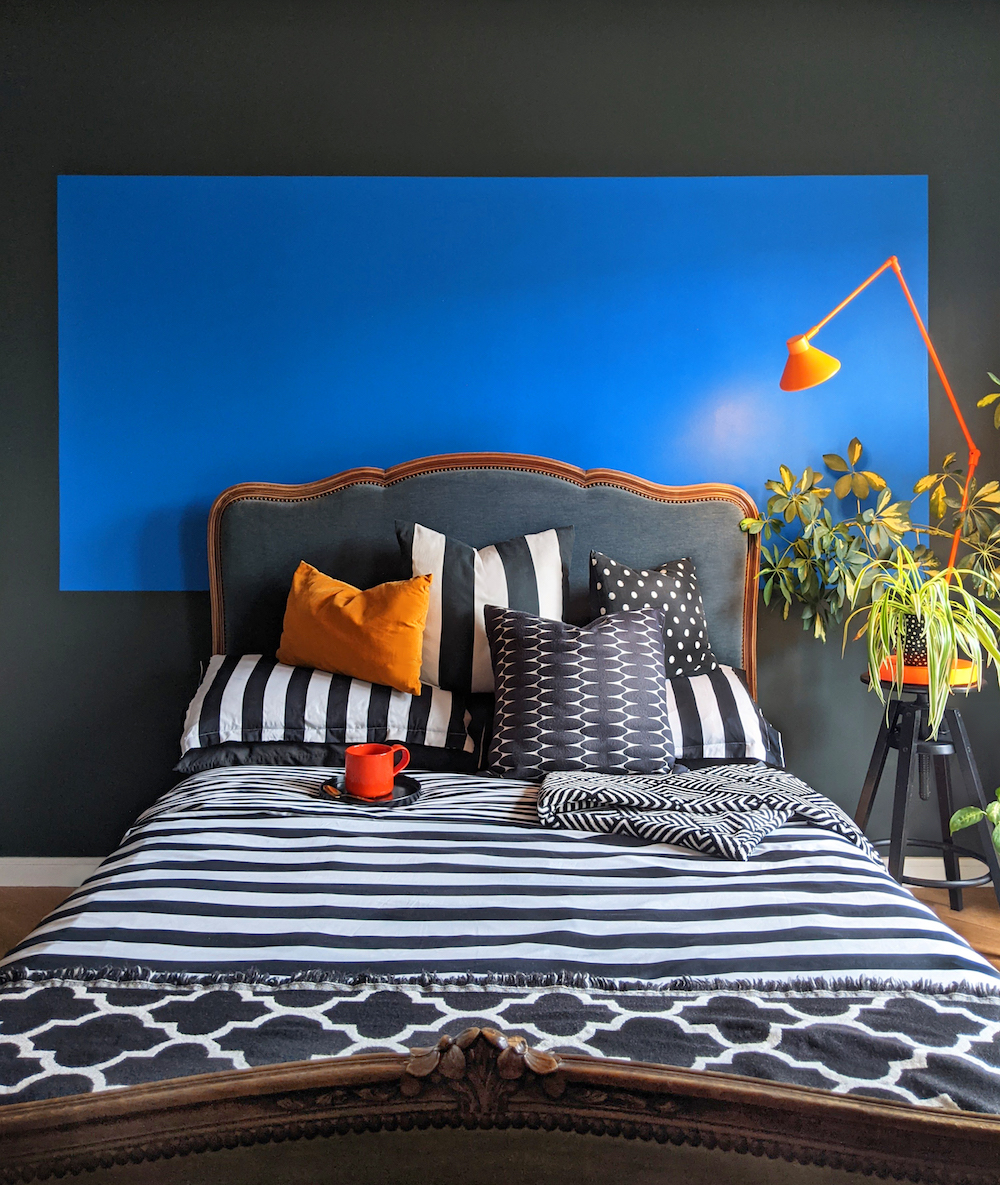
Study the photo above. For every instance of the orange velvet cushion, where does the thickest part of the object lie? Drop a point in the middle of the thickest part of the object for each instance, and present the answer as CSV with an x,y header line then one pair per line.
x,y
377,635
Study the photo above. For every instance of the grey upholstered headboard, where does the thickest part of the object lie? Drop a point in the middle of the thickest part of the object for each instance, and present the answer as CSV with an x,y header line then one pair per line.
x,y
345,526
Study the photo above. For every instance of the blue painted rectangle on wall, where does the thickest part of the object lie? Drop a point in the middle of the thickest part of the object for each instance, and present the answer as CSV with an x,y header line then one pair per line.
x,y
222,329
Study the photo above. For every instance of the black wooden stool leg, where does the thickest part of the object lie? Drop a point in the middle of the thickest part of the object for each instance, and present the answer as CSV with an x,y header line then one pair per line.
x,y
906,760
970,776
952,867
876,766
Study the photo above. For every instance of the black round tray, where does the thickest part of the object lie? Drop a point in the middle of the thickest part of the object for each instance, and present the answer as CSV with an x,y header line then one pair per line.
x,y
404,791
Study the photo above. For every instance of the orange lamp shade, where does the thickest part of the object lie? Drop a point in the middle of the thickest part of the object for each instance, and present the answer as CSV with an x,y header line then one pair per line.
x,y
806,366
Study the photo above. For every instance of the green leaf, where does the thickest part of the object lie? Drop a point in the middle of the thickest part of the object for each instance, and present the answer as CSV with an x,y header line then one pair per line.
x,y
993,377
965,817
993,813
859,485
752,526
843,486
996,838
854,451
837,463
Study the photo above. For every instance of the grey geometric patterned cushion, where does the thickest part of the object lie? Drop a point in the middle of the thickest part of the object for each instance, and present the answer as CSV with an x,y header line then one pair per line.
x,y
616,588
571,697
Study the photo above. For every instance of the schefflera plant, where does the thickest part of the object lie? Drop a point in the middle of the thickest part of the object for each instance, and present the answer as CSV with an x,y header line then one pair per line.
x,y
815,558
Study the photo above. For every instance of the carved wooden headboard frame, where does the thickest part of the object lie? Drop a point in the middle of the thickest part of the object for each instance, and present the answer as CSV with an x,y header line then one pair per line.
x,y
584,478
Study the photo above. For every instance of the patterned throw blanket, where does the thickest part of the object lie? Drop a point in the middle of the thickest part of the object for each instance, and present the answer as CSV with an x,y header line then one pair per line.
x,y
936,1049
719,813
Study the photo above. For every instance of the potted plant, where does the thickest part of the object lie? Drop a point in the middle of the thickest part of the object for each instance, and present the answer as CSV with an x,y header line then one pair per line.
x,y
917,617
861,563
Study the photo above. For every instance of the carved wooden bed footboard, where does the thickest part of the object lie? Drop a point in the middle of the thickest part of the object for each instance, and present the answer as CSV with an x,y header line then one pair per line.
x,y
481,1080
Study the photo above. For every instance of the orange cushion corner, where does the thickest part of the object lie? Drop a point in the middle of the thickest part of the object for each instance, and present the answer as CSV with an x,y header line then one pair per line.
x,y
375,634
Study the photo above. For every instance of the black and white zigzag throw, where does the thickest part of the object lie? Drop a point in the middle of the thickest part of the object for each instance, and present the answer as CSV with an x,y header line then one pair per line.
x,y
721,813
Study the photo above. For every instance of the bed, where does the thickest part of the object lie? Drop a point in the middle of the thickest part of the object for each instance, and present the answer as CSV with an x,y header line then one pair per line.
x,y
257,962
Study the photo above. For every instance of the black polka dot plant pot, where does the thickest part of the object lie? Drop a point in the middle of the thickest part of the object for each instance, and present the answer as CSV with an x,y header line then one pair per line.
x,y
914,643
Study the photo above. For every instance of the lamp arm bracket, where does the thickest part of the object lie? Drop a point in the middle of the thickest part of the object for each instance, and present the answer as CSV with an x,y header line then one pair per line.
x,y
974,454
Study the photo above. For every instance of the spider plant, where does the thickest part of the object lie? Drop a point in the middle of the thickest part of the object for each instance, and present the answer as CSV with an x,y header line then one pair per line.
x,y
954,622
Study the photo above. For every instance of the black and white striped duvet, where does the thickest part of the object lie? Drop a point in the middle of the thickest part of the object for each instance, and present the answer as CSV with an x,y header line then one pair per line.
x,y
246,920
255,872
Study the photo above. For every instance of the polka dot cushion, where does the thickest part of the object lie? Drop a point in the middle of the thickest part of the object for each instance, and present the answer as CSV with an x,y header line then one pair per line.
x,y
616,588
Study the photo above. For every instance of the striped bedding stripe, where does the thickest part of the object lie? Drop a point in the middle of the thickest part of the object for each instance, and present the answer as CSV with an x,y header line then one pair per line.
x,y
252,873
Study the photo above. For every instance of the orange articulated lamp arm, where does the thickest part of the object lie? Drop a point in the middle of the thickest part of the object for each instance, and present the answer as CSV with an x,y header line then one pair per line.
x,y
807,367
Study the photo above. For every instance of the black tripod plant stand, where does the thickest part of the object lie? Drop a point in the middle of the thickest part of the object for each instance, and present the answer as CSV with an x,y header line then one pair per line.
x,y
924,766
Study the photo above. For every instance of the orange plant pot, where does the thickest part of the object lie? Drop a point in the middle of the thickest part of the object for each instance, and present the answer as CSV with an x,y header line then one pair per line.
x,y
965,673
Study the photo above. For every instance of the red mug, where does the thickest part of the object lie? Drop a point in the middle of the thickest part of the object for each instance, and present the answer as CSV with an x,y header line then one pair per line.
x,y
370,769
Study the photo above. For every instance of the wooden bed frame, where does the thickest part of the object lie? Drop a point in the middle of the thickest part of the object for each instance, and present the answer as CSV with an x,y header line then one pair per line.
x,y
482,1107
482,1082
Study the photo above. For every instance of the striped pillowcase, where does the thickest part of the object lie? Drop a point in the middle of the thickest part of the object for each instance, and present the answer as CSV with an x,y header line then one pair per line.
x,y
252,699
529,573
713,717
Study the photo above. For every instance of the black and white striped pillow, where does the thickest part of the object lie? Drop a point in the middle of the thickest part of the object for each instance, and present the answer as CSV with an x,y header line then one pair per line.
x,y
251,699
713,717
529,573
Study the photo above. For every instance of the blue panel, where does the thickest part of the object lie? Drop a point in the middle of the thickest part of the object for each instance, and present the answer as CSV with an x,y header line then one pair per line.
x,y
224,329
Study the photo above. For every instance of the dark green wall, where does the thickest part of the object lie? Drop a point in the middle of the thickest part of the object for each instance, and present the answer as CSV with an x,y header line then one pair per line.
x,y
94,684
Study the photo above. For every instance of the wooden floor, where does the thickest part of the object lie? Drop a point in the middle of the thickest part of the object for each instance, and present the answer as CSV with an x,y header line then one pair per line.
x,y
21,909
978,922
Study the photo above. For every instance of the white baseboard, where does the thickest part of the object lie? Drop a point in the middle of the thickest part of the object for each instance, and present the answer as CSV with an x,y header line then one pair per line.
x,y
47,870
932,867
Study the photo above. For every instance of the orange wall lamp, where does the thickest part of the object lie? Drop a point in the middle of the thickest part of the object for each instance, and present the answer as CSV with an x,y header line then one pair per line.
x,y
808,367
